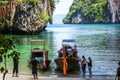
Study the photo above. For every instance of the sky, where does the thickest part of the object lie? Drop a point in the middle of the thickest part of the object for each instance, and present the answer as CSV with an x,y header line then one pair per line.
x,y
63,7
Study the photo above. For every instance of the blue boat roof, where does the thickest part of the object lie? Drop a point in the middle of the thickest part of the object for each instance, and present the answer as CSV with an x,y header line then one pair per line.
x,y
68,40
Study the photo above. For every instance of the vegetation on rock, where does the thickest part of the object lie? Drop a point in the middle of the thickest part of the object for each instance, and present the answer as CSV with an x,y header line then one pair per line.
x,y
43,16
91,10
35,1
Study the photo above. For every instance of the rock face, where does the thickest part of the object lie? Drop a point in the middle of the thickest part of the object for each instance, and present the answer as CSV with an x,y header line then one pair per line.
x,y
114,11
7,11
77,18
26,17
117,17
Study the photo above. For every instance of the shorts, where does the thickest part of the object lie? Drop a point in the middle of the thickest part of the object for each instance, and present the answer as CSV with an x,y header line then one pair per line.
x,y
118,78
15,69
34,70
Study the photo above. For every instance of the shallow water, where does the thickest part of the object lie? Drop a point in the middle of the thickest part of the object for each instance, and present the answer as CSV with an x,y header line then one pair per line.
x,y
99,41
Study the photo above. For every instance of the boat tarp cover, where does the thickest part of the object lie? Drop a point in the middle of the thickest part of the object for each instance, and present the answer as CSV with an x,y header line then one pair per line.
x,y
68,40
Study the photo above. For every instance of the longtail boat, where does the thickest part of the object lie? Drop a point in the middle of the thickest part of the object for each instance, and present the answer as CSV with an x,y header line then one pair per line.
x,y
41,55
68,54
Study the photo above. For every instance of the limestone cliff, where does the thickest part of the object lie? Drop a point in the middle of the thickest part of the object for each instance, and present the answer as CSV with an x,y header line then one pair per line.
x,y
25,17
114,11
7,11
93,11
117,17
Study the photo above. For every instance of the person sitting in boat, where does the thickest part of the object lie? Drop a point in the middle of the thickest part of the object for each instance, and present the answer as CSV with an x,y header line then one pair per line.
x,y
75,51
60,52
69,48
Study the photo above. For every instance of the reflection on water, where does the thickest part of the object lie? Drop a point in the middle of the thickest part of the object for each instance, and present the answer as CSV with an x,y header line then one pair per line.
x,y
100,41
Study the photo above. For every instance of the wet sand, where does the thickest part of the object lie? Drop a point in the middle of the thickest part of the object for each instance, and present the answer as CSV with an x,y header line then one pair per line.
x,y
53,77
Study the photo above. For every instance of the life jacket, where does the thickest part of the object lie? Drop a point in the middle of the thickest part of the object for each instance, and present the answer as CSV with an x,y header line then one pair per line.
x,y
118,72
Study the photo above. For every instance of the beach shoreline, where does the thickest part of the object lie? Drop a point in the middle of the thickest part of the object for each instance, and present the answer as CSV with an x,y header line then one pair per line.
x,y
54,77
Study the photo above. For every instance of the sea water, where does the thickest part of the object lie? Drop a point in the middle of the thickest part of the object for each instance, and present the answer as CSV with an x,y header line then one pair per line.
x,y
99,41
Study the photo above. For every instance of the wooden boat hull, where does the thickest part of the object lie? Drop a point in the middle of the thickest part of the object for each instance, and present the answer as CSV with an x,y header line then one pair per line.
x,y
40,54
40,66
47,62
72,64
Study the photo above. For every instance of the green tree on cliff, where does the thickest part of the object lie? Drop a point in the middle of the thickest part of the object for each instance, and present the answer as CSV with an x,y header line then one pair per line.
x,y
91,10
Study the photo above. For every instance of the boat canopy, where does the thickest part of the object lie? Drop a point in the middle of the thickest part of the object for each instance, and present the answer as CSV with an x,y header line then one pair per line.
x,y
37,40
39,53
38,43
68,40
38,50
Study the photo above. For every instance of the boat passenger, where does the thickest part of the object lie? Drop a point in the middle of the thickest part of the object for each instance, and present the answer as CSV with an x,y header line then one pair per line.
x,y
60,52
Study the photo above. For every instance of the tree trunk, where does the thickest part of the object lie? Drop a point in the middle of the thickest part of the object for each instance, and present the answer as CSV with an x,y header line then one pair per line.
x,y
4,74
5,69
45,6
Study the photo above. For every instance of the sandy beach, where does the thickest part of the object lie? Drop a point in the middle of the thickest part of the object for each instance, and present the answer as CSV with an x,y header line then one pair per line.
x,y
53,77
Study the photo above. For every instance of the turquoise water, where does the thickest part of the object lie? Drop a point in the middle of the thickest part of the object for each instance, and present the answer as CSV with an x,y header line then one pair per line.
x,y
99,41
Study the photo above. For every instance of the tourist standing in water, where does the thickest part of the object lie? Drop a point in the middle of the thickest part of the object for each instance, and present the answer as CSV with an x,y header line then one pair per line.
x,y
15,64
89,62
117,77
83,63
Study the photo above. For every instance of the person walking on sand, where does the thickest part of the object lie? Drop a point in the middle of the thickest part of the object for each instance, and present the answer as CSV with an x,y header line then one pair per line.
x,y
34,63
15,64
89,62
117,77
83,63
